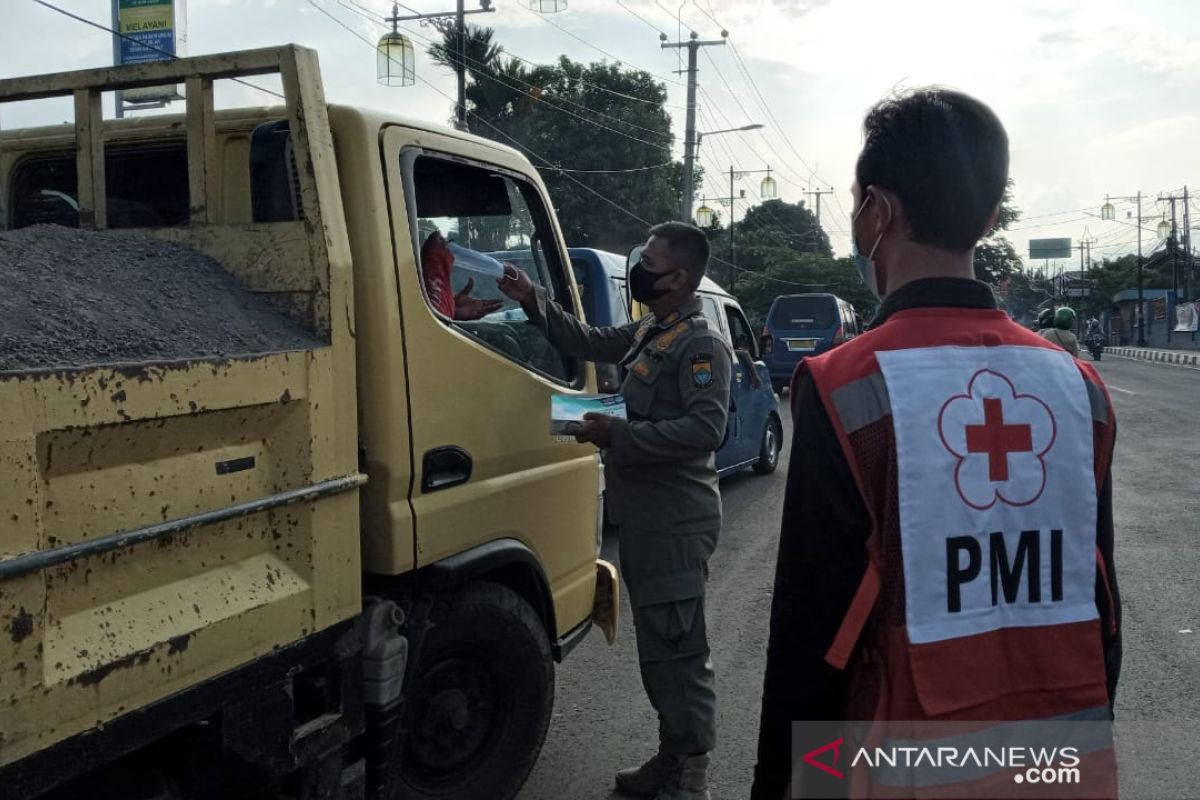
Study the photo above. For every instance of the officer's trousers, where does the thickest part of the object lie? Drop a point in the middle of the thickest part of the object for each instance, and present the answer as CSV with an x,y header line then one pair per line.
x,y
665,574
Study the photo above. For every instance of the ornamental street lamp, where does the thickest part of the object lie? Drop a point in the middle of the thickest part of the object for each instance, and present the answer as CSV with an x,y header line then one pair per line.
x,y
393,45
395,62
688,174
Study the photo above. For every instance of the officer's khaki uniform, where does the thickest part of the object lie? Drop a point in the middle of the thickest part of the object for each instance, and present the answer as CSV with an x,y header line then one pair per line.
x,y
662,491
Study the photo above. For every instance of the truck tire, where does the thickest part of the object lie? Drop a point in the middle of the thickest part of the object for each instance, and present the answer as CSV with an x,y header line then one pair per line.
x,y
772,444
479,702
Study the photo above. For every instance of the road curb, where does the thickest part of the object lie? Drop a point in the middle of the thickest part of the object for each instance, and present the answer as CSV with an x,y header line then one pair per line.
x,y
1173,357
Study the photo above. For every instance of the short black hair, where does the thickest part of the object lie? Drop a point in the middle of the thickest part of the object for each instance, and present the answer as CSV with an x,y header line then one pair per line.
x,y
687,245
945,155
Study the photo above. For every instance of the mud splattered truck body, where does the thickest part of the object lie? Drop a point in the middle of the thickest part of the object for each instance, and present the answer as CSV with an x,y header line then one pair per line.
x,y
338,568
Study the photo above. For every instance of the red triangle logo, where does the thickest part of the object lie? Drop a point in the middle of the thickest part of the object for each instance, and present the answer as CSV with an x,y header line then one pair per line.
x,y
810,758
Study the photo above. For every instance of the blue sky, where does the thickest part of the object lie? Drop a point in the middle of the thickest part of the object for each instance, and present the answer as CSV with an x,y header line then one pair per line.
x,y
1098,96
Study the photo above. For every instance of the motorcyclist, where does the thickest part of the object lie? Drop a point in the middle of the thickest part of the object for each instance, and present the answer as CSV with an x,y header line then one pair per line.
x,y
1045,319
1060,334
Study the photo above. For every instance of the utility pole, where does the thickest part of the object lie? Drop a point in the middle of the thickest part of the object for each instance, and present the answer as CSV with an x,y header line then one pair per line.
x,y
734,174
1107,212
693,45
816,193
1173,246
460,32
1187,247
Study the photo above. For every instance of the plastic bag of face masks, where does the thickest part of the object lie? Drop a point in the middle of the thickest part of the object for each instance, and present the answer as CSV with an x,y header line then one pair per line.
x,y
566,411
475,261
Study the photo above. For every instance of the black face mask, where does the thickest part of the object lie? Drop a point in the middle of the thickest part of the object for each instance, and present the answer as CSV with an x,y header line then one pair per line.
x,y
641,284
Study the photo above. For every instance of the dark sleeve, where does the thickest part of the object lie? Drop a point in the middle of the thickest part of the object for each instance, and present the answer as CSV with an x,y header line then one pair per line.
x,y
578,339
822,557
1108,599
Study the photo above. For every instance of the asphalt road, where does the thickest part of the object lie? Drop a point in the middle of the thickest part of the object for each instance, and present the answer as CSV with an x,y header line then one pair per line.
x,y
602,720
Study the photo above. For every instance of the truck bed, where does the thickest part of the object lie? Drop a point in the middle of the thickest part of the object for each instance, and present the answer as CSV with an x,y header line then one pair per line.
x,y
74,298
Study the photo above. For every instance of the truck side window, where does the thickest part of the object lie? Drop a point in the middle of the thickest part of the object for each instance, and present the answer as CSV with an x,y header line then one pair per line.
x,y
500,215
145,187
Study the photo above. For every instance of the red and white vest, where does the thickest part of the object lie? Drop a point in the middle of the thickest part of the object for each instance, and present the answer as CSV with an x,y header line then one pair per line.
x,y
979,449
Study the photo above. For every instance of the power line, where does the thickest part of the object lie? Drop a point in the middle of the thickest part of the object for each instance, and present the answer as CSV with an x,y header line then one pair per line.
x,y
546,161
600,50
147,45
663,165
650,24
745,70
351,5
489,75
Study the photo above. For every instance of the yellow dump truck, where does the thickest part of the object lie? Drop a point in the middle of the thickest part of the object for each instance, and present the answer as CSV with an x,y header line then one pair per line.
x,y
271,525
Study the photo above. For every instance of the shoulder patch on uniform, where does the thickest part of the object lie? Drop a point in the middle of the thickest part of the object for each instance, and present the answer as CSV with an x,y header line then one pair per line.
x,y
641,368
702,370
668,338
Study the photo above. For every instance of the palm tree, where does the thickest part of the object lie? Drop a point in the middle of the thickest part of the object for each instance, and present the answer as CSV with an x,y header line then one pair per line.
x,y
494,81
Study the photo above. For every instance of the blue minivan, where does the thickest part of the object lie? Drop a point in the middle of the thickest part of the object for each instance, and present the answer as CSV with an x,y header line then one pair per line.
x,y
754,433
803,325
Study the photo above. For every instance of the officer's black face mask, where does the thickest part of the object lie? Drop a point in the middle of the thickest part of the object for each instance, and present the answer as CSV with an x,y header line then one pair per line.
x,y
642,283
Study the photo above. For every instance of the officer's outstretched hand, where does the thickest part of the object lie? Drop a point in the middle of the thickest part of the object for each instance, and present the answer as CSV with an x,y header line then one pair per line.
x,y
516,285
597,430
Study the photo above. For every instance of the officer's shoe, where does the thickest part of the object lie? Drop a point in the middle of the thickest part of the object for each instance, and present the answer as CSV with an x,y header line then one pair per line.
x,y
687,781
646,780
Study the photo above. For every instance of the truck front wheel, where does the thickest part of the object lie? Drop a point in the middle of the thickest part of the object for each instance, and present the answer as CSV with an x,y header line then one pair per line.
x,y
479,703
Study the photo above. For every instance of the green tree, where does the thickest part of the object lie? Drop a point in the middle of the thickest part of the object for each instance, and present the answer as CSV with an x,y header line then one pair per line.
x,y
1023,294
594,127
996,259
789,224
786,272
1109,278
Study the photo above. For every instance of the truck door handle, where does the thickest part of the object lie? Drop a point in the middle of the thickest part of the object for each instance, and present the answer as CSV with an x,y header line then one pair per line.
x,y
444,467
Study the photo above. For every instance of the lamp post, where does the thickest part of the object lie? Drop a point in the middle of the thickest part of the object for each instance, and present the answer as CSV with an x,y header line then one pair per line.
x,y
1107,212
393,44
689,178
767,190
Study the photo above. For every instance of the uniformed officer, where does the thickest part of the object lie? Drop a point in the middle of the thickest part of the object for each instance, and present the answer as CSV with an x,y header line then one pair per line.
x,y
662,486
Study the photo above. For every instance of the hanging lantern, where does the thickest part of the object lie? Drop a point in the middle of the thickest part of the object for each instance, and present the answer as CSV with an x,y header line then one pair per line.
x,y
548,6
395,63
1164,229
768,189
704,217
1107,211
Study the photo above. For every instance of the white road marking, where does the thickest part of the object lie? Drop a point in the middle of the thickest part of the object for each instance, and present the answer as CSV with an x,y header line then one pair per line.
x,y
1119,389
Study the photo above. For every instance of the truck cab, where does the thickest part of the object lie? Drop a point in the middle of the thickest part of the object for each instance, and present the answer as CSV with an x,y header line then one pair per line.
x,y
346,566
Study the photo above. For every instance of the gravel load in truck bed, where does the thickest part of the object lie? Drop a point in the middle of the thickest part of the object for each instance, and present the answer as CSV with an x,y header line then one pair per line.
x,y
74,298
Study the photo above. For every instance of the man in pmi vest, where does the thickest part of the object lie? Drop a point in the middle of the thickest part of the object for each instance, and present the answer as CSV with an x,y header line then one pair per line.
x,y
661,486
946,544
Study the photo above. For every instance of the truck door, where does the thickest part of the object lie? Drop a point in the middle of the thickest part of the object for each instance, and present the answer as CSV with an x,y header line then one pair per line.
x,y
485,465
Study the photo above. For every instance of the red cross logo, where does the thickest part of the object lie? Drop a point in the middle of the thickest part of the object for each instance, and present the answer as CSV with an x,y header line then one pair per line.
x,y
999,438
